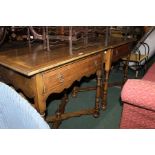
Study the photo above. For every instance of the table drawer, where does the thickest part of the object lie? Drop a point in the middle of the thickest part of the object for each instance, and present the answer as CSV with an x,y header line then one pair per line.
x,y
120,51
58,79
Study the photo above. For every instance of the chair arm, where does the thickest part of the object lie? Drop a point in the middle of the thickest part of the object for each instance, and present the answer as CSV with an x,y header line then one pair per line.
x,y
140,93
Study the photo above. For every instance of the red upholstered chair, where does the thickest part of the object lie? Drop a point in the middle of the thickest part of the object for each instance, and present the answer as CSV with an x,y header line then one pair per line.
x,y
138,98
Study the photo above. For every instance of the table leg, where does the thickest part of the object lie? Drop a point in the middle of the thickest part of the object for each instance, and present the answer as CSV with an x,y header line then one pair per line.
x,y
105,90
40,105
39,98
60,111
98,93
75,91
107,66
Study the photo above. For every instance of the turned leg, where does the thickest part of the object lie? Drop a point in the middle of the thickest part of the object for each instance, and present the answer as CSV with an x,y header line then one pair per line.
x,y
98,94
75,91
105,90
107,66
60,110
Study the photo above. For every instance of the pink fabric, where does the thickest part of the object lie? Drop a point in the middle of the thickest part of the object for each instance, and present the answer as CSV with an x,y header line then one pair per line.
x,y
140,93
139,102
150,75
137,118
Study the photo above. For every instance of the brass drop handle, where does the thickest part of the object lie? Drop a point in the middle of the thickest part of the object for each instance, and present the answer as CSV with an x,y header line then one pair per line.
x,y
60,77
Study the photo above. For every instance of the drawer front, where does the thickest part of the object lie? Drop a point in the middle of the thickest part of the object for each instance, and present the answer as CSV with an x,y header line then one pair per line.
x,y
120,52
56,80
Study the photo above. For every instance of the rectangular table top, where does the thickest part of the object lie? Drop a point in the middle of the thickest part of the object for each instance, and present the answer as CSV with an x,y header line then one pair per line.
x,y
30,61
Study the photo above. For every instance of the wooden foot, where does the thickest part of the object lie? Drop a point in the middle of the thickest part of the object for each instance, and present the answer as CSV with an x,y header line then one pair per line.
x,y
96,114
